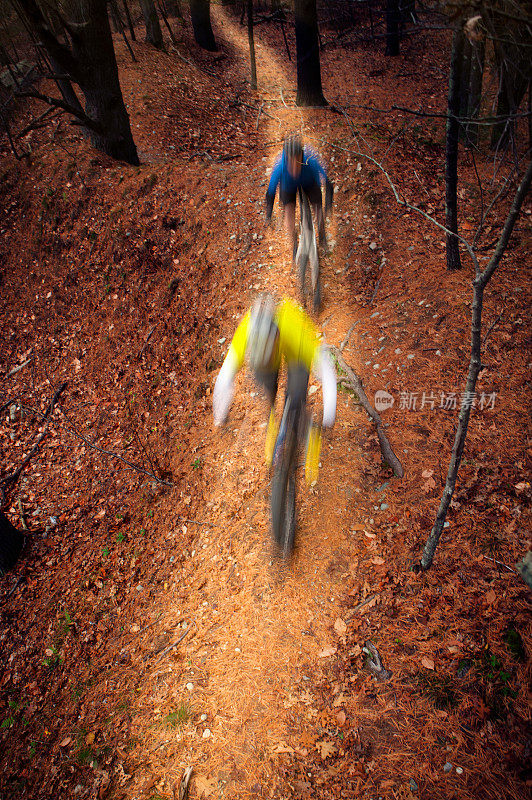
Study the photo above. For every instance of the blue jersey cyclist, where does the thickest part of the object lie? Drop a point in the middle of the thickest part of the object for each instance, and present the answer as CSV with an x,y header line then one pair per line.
x,y
298,167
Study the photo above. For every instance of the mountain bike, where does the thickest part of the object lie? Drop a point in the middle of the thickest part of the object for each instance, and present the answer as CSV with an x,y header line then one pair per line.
x,y
307,251
296,428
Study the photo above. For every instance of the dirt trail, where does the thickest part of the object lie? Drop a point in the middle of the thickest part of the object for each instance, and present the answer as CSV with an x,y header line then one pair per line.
x,y
256,630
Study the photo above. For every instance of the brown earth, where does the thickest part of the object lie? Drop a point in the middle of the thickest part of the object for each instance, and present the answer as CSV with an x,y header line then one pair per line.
x,y
148,628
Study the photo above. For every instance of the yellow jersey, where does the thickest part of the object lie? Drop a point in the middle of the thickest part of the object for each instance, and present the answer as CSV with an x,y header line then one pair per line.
x,y
299,338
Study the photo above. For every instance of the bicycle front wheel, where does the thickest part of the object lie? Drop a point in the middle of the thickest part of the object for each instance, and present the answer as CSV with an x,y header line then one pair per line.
x,y
283,506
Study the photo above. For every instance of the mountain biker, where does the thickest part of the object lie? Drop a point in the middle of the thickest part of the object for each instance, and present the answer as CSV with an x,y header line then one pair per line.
x,y
269,333
298,167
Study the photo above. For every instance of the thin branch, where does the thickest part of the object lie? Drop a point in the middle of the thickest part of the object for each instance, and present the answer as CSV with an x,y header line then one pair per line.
x,y
13,477
491,328
138,469
57,103
348,336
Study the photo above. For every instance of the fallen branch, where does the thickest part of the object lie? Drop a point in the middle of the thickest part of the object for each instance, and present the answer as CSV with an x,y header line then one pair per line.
x,y
355,383
348,336
19,367
258,116
183,785
172,646
374,663
22,515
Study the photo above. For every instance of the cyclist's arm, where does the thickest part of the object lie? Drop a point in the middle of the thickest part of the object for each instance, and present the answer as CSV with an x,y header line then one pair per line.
x,y
323,368
224,388
272,188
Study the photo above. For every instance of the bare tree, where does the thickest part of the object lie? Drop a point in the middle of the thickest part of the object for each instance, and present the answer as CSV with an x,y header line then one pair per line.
x,y
309,88
451,149
482,277
251,40
509,25
392,27
87,58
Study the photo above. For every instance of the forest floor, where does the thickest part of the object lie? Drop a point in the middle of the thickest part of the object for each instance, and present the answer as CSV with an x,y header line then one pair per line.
x,y
147,628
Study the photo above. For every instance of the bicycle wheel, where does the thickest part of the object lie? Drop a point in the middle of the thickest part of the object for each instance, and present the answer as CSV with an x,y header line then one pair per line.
x,y
283,489
283,505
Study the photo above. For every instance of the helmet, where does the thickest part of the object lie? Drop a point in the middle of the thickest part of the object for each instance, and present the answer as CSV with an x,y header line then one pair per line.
x,y
293,147
263,333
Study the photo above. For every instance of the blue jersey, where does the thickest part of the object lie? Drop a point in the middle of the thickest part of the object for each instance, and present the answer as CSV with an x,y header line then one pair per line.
x,y
312,173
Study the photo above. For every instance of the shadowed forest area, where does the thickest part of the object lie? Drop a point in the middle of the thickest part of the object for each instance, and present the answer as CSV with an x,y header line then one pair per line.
x,y
153,646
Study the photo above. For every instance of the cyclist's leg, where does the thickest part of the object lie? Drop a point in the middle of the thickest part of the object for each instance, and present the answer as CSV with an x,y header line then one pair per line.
x,y
269,382
314,195
288,200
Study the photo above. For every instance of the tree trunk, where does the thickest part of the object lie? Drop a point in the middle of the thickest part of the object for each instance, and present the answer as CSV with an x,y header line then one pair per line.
x,y
512,88
115,16
129,21
309,89
172,9
200,12
451,150
11,544
475,89
154,34
465,72
252,45
91,63
479,284
392,27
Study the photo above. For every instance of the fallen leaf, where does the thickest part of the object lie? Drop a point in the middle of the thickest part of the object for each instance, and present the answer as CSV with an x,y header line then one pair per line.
x,y
490,597
427,662
281,747
339,700
340,718
66,741
327,651
358,527
370,535
427,473
89,738
377,560
340,627
522,486
326,748
205,786
429,485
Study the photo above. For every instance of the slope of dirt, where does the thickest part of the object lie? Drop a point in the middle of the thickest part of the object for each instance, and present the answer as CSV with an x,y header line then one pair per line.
x,y
148,628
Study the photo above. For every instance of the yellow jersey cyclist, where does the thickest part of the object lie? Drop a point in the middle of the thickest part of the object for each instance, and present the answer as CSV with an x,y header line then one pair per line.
x,y
272,332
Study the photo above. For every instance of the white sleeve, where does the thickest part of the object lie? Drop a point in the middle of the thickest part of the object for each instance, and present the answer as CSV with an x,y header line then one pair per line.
x,y
224,388
326,373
